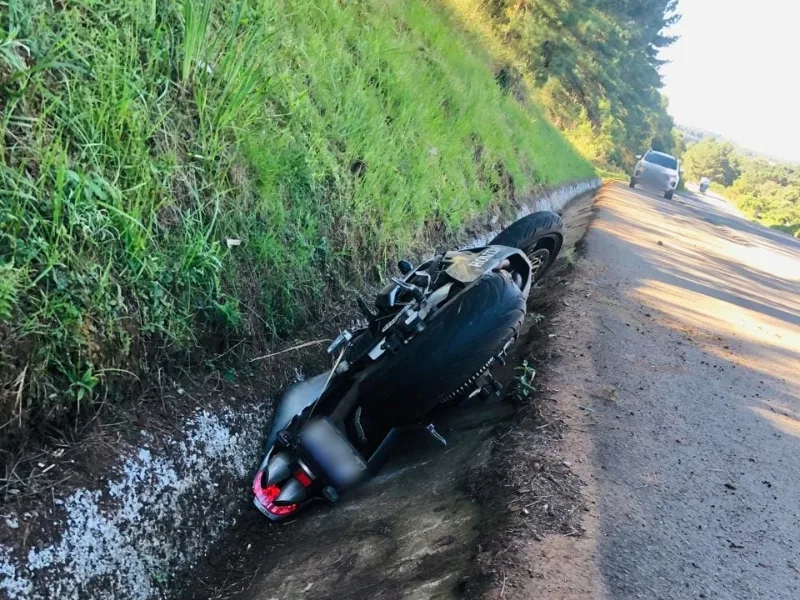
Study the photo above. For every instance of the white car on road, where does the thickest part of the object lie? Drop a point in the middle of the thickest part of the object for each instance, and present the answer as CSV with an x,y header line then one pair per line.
x,y
658,171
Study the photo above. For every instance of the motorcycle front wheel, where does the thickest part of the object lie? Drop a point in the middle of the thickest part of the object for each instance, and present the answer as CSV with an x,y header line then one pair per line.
x,y
540,236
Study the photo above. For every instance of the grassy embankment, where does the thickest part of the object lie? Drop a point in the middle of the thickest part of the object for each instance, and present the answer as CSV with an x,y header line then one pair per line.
x,y
175,173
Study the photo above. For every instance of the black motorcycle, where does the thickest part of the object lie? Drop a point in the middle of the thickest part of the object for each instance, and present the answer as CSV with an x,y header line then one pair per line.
x,y
430,341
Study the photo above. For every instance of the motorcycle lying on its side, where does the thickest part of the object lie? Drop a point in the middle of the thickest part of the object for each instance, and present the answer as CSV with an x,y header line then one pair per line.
x,y
431,340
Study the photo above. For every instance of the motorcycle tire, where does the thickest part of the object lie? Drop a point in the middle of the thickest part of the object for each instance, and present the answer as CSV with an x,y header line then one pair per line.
x,y
457,345
540,236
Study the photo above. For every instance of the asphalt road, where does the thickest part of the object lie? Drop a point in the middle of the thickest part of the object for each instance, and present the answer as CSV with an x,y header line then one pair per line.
x,y
690,318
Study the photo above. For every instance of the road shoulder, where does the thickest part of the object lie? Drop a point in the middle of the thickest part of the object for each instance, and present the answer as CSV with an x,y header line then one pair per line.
x,y
541,538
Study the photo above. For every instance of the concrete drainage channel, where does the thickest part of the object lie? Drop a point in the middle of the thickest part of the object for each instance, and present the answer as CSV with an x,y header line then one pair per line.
x,y
408,533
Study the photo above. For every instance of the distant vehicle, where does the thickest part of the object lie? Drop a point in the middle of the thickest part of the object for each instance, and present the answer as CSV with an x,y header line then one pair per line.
x,y
705,183
658,171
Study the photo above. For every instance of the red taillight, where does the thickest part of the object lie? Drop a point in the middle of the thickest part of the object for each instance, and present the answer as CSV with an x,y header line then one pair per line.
x,y
266,496
303,478
283,510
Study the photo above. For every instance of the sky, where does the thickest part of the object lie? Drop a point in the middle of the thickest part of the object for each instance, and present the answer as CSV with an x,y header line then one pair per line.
x,y
736,71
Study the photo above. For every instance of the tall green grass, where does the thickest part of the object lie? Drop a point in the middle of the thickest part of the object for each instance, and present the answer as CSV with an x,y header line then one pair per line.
x,y
140,136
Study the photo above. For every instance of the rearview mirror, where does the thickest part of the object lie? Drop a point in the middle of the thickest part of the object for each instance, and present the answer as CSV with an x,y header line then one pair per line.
x,y
405,267
639,156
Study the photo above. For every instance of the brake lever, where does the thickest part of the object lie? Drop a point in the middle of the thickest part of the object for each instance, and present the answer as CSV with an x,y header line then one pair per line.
x,y
414,290
366,310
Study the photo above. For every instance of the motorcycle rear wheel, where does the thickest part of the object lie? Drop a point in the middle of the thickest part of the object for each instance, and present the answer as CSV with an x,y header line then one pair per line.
x,y
458,345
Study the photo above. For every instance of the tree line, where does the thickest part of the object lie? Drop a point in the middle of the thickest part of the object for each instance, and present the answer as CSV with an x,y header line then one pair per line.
x,y
595,64
765,190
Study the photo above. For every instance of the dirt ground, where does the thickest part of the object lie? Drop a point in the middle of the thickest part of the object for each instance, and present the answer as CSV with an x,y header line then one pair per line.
x,y
679,381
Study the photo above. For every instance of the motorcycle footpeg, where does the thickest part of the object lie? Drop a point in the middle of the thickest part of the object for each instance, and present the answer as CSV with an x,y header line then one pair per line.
x,y
484,393
494,385
340,342
435,434
330,493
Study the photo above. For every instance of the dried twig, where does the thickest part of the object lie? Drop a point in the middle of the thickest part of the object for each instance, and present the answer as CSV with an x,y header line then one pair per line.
x,y
290,349
20,386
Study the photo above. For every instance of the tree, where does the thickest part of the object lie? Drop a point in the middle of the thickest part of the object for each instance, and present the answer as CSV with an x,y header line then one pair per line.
x,y
596,63
769,192
678,144
713,159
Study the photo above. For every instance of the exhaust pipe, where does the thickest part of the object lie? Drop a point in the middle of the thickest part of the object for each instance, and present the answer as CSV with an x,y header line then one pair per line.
x,y
292,493
278,468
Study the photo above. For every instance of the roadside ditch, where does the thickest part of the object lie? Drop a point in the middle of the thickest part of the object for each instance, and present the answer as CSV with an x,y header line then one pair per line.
x,y
137,505
438,522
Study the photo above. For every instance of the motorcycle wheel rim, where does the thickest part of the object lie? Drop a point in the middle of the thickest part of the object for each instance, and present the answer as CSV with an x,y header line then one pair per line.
x,y
538,259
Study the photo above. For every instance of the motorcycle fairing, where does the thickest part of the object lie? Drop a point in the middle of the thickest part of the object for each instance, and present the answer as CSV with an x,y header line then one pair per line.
x,y
467,266
297,398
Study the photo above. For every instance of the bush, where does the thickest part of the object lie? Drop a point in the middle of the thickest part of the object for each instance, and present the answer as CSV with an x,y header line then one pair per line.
x,y
769,193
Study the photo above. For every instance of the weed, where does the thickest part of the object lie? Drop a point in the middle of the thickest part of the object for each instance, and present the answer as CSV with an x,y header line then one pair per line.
x,y
196,18
81,386
609,393
571,258
10,279
535,318
524,381
159,577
